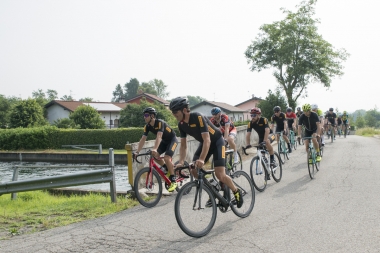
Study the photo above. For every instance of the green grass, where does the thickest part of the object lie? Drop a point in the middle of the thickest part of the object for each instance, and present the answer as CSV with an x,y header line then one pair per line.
x,y
367,131
38,210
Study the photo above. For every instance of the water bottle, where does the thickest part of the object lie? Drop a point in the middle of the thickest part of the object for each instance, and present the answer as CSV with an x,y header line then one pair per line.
x,y
215,184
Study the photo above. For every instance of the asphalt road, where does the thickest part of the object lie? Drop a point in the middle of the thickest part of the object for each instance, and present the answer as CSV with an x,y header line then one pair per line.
x,y
338,211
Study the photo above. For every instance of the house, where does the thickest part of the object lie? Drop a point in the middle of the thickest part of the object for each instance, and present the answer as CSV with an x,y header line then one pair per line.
x,y
109,111
149,98
248,105
204,107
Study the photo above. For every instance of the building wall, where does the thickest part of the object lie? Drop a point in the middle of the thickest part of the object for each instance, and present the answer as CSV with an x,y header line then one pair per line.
x,y
248,106
111,119
56,112
206,110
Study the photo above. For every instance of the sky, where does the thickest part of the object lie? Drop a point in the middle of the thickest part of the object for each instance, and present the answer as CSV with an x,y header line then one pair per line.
x,y
86,48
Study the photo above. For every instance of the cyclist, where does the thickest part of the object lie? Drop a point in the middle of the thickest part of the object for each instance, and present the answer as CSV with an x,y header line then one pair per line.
x,y
211,141
298,114
166,141
227,127
281,125
291,117
339,123
346,121
319,112
261,126
331,118
310,121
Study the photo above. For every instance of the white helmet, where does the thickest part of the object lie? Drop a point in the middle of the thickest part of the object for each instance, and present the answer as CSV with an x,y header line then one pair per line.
x,y
314,106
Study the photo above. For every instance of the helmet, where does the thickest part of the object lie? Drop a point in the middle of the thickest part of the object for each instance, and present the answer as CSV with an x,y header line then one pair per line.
x,y
344,112
298,108
255,110
314,106
331,109
306,107
215,110
289,109
178,103
150,110
276,109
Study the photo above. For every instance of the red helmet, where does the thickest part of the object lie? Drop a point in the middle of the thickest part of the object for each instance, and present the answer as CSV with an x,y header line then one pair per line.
x,y
255,110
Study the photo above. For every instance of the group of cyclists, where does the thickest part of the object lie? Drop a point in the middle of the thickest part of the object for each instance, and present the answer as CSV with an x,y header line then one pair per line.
x,y
216,133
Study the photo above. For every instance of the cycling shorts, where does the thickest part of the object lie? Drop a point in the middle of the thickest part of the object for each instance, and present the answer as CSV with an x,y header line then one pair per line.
x,y
309,133
168,147
217,150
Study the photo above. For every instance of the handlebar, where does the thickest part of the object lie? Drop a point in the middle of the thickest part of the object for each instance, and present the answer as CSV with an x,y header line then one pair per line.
x,y
148,152
261,145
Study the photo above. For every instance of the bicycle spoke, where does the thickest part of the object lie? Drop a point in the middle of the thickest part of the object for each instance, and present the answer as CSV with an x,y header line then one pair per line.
x,y
242,181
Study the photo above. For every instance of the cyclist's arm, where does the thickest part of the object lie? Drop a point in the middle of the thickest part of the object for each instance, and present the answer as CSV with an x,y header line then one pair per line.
x,y
182,151
248,138
226,130
158,141
318,129
205,147
141,143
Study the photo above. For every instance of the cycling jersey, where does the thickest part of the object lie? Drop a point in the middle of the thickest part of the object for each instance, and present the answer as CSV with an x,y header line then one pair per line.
x,y
160,126
280,119
339,120
198,124
299,113
259,126
345,119
222,122
310,122
290,117
331,117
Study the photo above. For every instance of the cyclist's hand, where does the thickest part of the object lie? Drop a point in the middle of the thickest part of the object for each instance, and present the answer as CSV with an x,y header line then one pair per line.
x,y
178,165
134,155
154,153
225,142
199,163
248,146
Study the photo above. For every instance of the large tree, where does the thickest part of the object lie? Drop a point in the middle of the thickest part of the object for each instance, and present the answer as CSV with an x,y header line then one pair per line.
x,y
27,113
87,117
160,88
296,52
272,99
118,94
193,100
131,88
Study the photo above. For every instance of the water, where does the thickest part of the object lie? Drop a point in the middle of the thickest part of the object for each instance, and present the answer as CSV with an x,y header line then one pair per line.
x,y
121,175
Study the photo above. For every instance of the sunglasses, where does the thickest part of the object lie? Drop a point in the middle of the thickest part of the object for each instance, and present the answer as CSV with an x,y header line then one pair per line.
x,y
253,115
146,115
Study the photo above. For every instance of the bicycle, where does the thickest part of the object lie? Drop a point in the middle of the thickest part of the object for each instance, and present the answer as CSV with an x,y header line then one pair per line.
x,y
148,183
230,165
331,132
312,164
292,139
260,168
282,149
346,130
192,215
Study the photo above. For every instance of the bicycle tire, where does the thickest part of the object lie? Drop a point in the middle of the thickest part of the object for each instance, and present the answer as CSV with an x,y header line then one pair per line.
x,y
310,166
244,182
332,135
187,218
238,166
277,174
147,196
258,174
294,143
281,151
182,181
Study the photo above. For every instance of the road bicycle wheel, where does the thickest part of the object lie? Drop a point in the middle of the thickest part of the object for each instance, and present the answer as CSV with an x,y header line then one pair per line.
x,y
198,220
244,183
237,166
258,174
277,171
281,151
148,187
310,165
332,135
184,178
294,142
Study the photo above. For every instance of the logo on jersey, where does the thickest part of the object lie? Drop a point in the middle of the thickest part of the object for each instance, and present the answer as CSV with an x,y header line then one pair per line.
x,y
200,121
174,147
168,129
210,130
224,152
193,125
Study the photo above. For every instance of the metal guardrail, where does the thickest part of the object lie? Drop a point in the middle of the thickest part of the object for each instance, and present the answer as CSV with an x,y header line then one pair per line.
x,y
87,145
92,177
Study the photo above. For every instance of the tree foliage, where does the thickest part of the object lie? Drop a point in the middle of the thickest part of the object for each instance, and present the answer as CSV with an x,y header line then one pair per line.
x,y
296,52
193,100
67,98
132,114
87,117
65,123
131,88
86,99
118,94
27,113
5,107
272,100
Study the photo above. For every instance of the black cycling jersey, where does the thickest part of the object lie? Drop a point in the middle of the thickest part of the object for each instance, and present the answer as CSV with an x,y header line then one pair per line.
x,y
310,122
339,121
198,124
160,126
299,114
259,126
331,117
280,119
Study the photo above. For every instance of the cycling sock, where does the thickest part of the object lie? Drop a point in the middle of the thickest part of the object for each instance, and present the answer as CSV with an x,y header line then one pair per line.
x,y
271,157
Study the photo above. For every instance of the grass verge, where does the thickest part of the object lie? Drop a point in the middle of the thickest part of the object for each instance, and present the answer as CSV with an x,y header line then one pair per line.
x,y
38,210
367,131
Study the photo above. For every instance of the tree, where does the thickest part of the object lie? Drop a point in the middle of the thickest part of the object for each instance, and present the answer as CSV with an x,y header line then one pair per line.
x,y
51,94
195,100
372,118
65,123
87,117
296,52
131,88
86,99
5,106
67,98
118,94
160,88
147,88
360,122
38,94
27,113
132,114
272,100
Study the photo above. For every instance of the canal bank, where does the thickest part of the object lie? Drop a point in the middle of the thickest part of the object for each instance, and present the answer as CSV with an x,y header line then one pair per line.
x,y
61,158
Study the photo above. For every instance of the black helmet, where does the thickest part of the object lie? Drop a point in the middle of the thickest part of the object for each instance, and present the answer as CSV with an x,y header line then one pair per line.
x,y
150,110
331,109
178,103
276,109
289,109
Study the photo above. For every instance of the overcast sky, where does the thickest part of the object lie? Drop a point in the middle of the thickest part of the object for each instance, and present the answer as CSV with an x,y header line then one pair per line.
x,y
85,48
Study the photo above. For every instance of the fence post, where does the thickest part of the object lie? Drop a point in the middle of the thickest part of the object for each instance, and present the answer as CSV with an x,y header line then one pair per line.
x,y
100,149
15,178
128,147
112,183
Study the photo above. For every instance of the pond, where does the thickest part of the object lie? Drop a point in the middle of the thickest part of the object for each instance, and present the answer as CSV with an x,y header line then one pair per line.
x,y
6,174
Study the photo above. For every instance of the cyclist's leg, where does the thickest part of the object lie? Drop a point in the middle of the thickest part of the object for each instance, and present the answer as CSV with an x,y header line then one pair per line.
x,y
231,142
